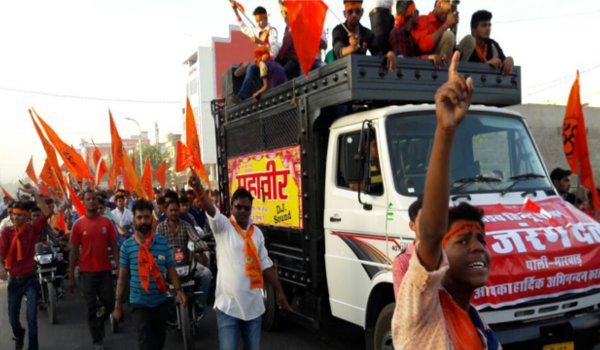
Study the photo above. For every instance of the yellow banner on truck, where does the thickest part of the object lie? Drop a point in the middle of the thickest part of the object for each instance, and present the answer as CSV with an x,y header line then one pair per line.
x,y
273,177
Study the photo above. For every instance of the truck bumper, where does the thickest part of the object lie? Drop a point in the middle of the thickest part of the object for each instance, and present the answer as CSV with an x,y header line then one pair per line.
x,y
522,332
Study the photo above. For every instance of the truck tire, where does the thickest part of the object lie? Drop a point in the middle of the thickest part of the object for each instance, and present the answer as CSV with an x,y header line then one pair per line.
x,y
51,302
186,328
271,318
382,335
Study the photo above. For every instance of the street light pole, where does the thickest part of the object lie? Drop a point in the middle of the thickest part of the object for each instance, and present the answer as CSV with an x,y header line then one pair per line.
x,y
139,141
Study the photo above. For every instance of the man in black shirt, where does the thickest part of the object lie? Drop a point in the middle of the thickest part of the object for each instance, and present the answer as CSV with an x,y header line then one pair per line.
x,y
479,47
561,181
359,40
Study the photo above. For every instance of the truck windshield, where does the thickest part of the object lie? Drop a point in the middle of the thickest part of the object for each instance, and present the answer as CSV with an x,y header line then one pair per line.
x,y
491,153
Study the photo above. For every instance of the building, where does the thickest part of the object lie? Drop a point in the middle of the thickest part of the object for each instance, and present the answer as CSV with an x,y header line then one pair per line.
x,y
206,65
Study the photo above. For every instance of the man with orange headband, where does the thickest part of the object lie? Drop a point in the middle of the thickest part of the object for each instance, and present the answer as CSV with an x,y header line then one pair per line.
x,y
479,47
359,40
433,33
264,34
244,265
17,249
269,72
451,259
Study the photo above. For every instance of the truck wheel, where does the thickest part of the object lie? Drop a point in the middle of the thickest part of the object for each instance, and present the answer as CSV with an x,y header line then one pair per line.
x,y
382,336
271,317
186,328
51,303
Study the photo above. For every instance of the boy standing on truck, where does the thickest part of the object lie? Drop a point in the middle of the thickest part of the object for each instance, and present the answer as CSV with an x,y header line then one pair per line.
x,y
238,299
451,259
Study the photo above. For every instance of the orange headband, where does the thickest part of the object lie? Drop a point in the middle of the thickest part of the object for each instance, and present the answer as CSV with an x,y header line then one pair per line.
x,y
461,227
409,12
19,211
352,4
260,16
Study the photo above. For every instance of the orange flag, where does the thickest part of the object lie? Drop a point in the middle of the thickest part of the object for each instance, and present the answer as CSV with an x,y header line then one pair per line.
x,y
45,190
306,20
31,172
74,162
160,174
79,208
122,163
6,194
147,177
184,158
61,221
99,165
575,143
52,160
193,142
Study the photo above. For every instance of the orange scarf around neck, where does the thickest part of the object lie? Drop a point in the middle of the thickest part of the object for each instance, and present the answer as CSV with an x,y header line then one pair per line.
x,y
481,52
15,244
147,265
253,270
459,325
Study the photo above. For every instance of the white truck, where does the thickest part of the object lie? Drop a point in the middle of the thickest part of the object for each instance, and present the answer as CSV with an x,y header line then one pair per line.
x,y
304,146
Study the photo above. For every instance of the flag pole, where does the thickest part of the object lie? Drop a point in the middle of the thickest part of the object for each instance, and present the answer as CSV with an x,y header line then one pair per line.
x,y
339,20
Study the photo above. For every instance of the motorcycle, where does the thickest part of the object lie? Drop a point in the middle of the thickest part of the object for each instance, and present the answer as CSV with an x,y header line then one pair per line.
x,y
46,258
185,315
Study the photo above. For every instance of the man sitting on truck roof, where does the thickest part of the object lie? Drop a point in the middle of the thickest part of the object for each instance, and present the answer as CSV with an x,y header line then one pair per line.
x,y
263,35
451,259
401,41
432,33
479,47
270,73
351,37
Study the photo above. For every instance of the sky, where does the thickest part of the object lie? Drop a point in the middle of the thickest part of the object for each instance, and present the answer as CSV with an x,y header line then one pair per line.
x,y
72,60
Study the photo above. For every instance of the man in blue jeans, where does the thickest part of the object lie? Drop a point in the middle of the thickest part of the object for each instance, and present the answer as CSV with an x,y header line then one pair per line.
x,y
17,249
242,264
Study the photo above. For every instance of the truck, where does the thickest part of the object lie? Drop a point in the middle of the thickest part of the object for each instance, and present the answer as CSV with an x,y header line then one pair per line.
x,y
305,152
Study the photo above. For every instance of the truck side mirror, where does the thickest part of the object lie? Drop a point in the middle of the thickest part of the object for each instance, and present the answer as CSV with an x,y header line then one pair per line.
x,y
363,158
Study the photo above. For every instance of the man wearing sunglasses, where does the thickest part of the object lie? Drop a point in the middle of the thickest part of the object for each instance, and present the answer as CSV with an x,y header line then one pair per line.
x,y
359,40
242,264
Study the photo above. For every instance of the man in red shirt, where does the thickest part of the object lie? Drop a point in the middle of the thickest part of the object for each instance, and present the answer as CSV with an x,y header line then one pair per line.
x,y
431,33
94,234
17,248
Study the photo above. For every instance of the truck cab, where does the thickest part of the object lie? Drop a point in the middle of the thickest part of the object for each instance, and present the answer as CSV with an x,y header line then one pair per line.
x,y
336,159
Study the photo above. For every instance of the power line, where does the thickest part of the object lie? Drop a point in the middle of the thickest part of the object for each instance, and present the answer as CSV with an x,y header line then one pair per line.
x,y
92,98
555,82
587,13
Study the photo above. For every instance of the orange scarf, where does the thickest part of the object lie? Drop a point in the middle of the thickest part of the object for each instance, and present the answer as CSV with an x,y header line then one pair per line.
x,y
400,18
147,265
459,325
481,52
253,270
15,244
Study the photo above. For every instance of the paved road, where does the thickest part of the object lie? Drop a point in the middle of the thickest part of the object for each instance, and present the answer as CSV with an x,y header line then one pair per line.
x,y
70,333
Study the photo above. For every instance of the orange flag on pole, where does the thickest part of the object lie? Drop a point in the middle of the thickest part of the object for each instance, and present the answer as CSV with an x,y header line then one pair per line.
x,y
45,190
160,174
61,221
147,177
52,160
6,194
193,142
31,172
306,20
121,161
575,143
73,160
79,208
99,165
184,158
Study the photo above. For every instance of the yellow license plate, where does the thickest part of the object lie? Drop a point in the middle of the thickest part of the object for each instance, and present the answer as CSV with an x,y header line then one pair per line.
x,y
560,346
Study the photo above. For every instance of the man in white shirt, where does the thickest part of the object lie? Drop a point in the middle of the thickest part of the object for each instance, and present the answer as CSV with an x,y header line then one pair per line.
x,y
264,34
123,215
242,264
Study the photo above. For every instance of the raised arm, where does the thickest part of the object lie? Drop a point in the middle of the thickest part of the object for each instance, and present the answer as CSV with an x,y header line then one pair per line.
x,y
452,100
205,201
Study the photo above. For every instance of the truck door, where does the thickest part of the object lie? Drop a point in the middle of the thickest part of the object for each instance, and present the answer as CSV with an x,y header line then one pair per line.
x,y
355,242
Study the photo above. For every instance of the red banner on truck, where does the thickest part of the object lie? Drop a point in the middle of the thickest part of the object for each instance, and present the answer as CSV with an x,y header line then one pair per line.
x,y
539,255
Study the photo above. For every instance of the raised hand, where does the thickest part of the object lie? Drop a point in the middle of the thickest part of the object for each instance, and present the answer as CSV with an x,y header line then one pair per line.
x,y
453,99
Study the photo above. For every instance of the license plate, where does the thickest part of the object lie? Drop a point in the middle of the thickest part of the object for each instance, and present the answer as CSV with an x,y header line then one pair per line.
x,y
560,346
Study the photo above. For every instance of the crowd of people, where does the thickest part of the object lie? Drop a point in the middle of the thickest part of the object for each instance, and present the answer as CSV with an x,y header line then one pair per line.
x,y
138,237
408,34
